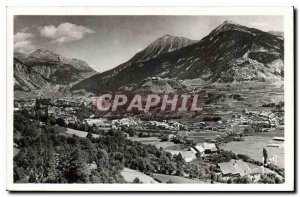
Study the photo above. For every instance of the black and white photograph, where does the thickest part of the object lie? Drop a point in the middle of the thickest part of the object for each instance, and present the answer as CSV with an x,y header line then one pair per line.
x,y
101,97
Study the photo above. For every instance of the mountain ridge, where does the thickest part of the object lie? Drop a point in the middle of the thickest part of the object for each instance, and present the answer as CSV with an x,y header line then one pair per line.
x,y
249,50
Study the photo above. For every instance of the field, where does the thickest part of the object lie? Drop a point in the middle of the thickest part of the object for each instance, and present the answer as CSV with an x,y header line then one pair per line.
x,y
175,179
253,147
153,141
253,96
69,132
129,175
204,136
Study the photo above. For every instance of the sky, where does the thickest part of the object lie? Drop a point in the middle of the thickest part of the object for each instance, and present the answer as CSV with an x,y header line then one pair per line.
x,y
104,42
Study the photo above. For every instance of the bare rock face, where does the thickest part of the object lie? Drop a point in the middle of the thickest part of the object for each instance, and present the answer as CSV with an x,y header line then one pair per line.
x,y
27,79
45,69
245,69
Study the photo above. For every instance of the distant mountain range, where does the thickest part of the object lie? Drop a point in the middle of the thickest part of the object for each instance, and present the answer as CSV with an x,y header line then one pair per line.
x,y
278,34
45,70
229,53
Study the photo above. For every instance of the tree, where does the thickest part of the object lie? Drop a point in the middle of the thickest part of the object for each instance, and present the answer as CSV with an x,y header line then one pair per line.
x,y
229,180
164,138
265,155
52,120
131,132
269,178
75,170
136,180
89,136
61,122
242,180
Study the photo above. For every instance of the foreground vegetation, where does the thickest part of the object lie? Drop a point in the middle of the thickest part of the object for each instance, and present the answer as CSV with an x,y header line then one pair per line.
x,y
46,156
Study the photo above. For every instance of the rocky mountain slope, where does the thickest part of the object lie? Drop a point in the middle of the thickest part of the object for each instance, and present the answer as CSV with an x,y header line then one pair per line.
x,y
44,69
157,85
229,53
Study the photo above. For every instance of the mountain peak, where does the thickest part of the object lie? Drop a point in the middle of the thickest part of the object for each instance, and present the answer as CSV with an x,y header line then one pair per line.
x,y
164,44
41,50
43,53
168,39
229,53
227,25
230,26
166,36
228,22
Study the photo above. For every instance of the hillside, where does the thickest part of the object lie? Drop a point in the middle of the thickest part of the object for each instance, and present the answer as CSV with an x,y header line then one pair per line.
x,y
44,69
159,85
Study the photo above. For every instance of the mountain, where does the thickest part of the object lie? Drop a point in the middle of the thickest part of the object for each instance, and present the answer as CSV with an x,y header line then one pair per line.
x,y
278,34
231,52
164,44
27,79
44,69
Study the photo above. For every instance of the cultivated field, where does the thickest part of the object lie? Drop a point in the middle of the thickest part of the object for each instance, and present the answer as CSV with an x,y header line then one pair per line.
x,y
153,141
174,179
71,132
253,147
129,175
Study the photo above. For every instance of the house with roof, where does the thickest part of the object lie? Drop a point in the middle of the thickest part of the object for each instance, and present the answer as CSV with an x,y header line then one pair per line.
x,y
186,155
239,168
206,147
200,150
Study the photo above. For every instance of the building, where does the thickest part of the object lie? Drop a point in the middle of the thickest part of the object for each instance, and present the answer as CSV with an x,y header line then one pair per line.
x,y
237,116
239,168
126,122
126,135
171,136
100,122
188,156
200,150
208,147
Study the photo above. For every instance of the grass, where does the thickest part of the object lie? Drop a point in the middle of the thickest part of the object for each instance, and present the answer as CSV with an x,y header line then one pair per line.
x,y
254,94
175,179
203,136
153,141
253,147
129,175
70,132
